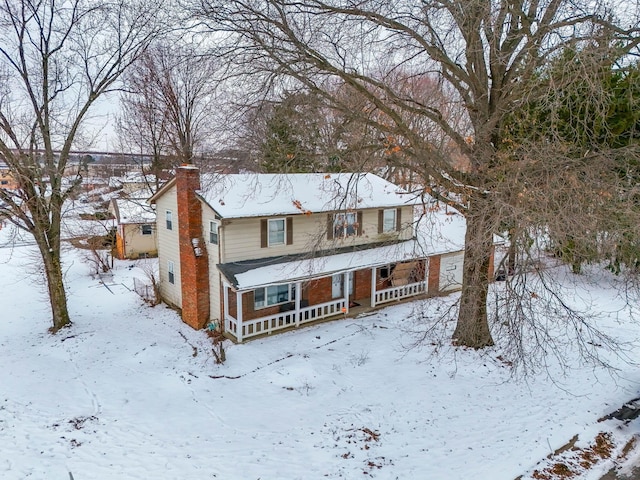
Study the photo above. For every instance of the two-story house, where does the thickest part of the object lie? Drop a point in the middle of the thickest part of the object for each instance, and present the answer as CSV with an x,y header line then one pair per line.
x,y
257,253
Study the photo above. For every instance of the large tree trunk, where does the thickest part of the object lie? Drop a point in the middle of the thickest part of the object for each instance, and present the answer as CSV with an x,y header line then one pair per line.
x,y
472,329
57,294
49,246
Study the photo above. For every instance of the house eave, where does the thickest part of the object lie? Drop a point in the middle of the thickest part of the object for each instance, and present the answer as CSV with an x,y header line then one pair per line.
x,y
162,191
319,265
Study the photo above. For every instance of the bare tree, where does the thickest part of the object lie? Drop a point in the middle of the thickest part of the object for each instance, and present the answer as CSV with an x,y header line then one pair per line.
x,y
167,108
141,126
56,60
484,55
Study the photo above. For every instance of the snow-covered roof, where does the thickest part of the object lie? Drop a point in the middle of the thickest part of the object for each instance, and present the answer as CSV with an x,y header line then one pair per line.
x,y
133,211
145,193
138,177
253,195
439,230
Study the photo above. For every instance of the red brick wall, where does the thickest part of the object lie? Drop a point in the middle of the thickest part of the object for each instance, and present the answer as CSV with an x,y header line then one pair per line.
x,y
434,275
362,284
319,291
194,270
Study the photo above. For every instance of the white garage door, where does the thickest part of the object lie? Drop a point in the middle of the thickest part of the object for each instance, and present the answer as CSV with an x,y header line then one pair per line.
x,y
451,271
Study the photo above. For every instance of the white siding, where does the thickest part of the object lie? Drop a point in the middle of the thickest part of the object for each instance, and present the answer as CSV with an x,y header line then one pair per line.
x,y
168,247
451,271
213,252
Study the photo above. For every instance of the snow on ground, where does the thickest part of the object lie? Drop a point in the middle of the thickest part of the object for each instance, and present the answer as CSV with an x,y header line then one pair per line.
x,y
130,392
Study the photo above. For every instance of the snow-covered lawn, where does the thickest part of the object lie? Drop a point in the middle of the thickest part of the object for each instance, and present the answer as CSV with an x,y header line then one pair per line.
x,y
130,392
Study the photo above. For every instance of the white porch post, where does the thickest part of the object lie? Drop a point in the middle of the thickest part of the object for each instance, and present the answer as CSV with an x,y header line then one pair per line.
x,y
373,286
426,275
225,303
298,296
239,315
345,286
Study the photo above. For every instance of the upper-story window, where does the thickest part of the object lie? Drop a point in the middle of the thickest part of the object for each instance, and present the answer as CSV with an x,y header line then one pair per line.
x,y
276,231
345,225
213,232
146,229
169,219
389,220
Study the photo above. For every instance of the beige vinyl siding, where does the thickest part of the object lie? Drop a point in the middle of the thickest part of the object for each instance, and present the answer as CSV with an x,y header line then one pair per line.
x,y
136,243
240,238
168,247
213,252
215,297
408,222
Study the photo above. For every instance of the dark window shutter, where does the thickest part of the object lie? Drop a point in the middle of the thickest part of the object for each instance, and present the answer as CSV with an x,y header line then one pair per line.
x,y
398,219
380,220
289,230
330,226
359,217
263,233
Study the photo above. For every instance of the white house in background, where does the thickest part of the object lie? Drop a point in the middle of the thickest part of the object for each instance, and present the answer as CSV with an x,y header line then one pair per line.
x,y
258,253
135,228
135,182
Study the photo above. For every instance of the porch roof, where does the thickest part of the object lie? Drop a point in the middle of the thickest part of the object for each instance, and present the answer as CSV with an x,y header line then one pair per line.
x,y
250,274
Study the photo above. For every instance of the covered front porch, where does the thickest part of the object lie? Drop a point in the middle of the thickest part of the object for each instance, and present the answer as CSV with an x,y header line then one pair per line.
x,y
256,310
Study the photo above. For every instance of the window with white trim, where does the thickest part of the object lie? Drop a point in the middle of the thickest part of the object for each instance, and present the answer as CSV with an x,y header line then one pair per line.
x,y
273,295
276,231
170,272
213,233
345,225
389,220
169,219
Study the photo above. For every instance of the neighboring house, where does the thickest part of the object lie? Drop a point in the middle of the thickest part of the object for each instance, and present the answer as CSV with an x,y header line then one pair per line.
x,y
133,182
135,228
257,253
7,181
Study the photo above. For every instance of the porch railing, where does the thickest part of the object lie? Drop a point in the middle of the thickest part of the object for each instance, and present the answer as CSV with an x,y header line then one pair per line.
x,y
282,320
398,293
316,312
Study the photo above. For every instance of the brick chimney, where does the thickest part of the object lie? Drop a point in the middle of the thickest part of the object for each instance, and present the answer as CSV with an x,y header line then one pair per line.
x,y
194,263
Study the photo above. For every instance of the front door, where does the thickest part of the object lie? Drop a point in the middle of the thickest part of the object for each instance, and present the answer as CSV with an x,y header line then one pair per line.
x,y
337,285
